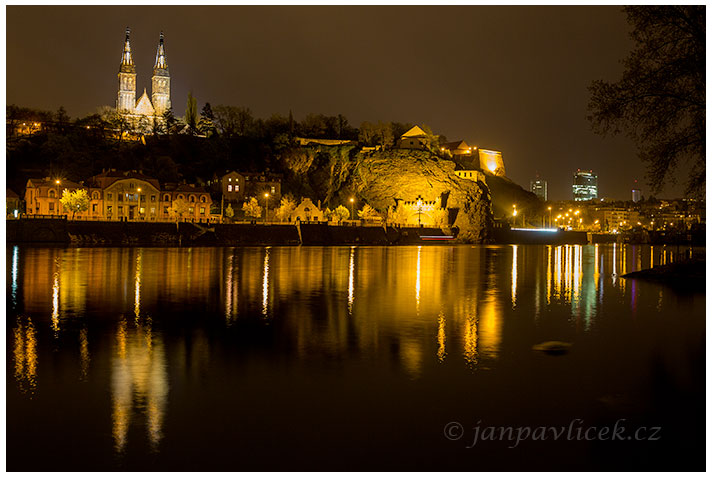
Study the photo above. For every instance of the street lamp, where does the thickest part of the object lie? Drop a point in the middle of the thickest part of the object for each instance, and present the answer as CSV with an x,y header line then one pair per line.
x,y
419,203
139,203
549,216
266,206
351,200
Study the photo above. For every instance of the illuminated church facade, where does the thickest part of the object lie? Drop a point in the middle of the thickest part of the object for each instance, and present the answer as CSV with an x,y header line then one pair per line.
x,y
145,110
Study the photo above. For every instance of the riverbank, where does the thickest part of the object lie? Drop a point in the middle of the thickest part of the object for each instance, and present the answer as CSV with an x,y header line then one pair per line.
x,y
114,233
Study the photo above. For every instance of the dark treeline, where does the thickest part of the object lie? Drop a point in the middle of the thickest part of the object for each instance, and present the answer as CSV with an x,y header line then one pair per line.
x,y
192,149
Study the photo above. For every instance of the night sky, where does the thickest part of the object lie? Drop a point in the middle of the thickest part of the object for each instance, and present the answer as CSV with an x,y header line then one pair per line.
x,y
507,78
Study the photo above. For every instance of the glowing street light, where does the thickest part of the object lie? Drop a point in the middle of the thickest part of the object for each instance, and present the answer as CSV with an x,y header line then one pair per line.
x,y
266,206
139,203
351,200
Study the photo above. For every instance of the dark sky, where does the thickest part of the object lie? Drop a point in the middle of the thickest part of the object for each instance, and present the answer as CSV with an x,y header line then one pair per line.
x,y
507,78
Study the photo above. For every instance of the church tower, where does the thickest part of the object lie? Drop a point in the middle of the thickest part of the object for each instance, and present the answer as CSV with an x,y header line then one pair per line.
x,y
126,99
161,81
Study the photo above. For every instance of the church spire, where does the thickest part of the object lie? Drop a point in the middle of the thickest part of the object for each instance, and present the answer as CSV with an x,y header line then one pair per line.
x,y
161,62
127,64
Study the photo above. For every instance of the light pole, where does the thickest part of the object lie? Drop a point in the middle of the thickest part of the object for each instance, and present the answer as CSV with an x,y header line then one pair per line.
x,y
266,206
139,203
549,216
419,203
514,214
351,200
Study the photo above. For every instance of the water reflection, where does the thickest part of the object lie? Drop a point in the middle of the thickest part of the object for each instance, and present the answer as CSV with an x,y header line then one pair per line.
x,y
25,355
140,326
139,381
15,253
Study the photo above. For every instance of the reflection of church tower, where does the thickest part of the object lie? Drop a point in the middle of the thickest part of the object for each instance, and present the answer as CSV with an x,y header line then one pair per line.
x,y
126,100
161,81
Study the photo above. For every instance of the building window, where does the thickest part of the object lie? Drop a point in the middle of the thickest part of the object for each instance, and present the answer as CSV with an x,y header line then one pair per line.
x,y
153,211
229,188
202,198
166,197
108,210
274,189
95,195
180,196
192,198
165,210
229,180
51,206
121,197
202,211
121,209
237,187
52,193
93,208
142,211
153,198
191,210
143,197
109,196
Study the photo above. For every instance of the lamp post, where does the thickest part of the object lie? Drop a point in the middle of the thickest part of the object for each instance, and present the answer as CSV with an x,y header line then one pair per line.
x,y
351,200
419,203
266,206
139,203
549,216
514,214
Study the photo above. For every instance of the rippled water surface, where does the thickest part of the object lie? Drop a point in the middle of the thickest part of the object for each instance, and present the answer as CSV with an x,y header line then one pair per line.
x,y
347,358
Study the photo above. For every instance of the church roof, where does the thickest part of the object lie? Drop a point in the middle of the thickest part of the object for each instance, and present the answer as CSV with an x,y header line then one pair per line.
x,y
456,145
414,132
144,106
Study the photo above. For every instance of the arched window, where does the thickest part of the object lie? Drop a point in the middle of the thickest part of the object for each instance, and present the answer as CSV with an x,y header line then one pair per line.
x,y
192,198
52,193
202,199
180,196
95,195
166,197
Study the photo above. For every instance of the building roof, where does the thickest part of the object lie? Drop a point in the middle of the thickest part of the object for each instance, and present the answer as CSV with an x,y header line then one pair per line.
x,y
456,145
144,106
10,194
414,132
183,188
109,177
49,182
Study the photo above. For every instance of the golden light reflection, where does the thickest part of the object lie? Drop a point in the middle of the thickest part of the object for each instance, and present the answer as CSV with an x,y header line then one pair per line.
x,y
84,358
417,281
548,275
469,338
412,356
441,337
55,298
557,271
514,275
265,283
137,285
139,381
490,328
652,255
351,278
25,356
231,288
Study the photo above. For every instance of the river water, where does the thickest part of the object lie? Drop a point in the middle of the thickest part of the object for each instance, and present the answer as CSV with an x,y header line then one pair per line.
x,y
350,358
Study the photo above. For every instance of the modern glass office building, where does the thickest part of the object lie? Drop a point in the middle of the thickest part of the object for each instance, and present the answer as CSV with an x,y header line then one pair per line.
x,y
585,186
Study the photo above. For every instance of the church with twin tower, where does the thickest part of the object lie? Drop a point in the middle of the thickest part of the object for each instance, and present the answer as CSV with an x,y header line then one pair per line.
x,y
160,101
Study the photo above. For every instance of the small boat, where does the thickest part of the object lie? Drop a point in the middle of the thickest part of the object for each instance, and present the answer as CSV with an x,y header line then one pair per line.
x,y
437,238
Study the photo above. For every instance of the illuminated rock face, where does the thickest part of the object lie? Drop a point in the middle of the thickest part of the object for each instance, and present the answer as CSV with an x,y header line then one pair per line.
x,y
386,179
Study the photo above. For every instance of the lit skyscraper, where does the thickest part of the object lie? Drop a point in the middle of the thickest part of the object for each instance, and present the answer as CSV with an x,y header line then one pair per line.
x,y
585,186
636,195
539,187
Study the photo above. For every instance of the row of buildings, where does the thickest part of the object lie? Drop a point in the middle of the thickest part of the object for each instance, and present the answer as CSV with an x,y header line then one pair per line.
x,y
131,195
